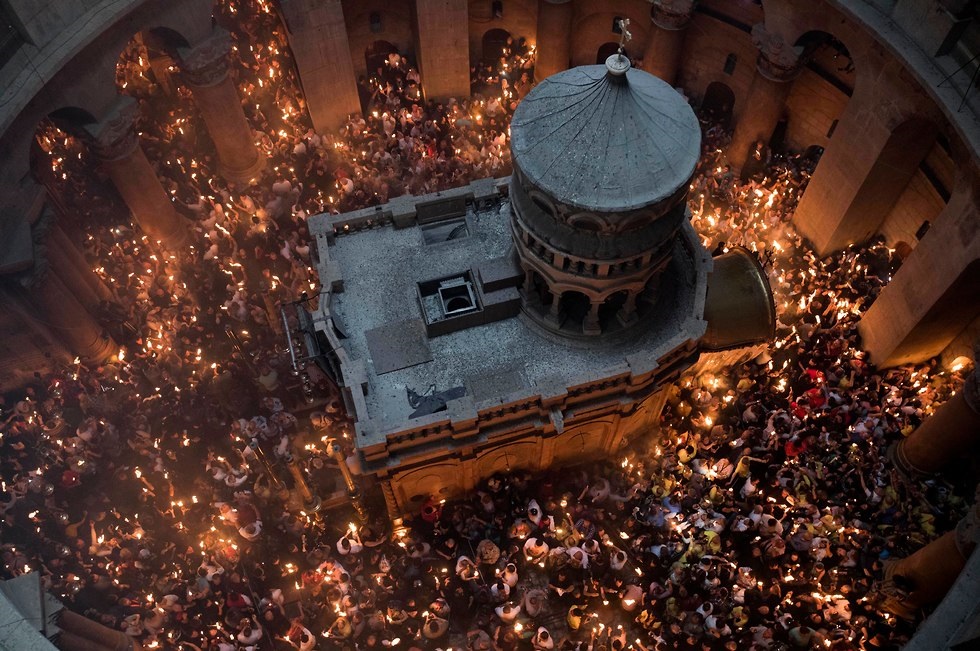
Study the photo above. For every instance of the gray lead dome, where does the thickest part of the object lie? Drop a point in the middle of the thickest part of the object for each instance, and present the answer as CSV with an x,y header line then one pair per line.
x,y
605,142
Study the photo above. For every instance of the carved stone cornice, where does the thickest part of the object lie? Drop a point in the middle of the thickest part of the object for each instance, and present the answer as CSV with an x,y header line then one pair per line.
x,y
115,137
672,15
778,60
206,64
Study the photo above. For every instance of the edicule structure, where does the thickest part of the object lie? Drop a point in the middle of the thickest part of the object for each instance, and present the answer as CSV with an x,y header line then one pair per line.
x,y
535,322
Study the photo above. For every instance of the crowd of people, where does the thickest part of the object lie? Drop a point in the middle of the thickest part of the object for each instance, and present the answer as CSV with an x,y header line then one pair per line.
x,y
152,493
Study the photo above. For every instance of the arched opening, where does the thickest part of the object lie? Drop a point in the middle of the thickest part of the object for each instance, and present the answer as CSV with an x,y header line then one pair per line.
x,y
585,223
376,55
606,50
576,306
718,102
539,289
61,161
609,308
496,44
824,54
146,65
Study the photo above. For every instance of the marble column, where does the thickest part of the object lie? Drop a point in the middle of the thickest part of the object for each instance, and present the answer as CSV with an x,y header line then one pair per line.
x,y
776,68
952,431
318,38
553,42
926,576
117,146
205,69
68,320
665,43
441,31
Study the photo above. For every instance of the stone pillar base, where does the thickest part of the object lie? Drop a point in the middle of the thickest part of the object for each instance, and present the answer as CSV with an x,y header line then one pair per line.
x,y
627,318
244,176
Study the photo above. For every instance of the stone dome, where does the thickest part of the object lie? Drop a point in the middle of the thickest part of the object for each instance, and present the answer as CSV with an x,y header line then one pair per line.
x,y
605,140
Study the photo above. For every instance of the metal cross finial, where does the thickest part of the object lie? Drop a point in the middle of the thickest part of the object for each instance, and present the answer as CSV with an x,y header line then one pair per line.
x,y
625,35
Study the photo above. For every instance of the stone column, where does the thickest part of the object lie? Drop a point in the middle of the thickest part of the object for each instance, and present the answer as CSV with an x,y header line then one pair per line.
x,y
590,325
72,267
927,575
553,47
627,313
441,31
932,298
101,636
318,38
117,146
553,315
665,44
205,69
952,431
776,68
67,318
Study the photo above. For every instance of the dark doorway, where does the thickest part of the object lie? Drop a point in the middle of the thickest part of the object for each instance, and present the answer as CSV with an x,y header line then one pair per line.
x,y
376,55
606,50
495,45
576,306
609,308
719,100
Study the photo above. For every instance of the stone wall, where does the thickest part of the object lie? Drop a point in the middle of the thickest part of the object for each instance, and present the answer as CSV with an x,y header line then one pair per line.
x,y
708,42
592,27
918,203
812,107
396,28
520,18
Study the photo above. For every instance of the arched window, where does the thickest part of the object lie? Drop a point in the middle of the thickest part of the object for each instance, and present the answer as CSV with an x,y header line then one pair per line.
x,y
497,9
374,18
730,62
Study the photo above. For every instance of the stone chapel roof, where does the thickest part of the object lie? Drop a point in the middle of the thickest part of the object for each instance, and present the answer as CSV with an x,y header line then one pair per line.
x,y
605,142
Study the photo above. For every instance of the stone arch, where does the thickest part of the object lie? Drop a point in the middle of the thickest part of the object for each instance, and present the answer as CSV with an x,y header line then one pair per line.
x,y
492,44
506,458
575,304
543,202
578,443
151,52
718,102
376,54
587,222
439,481
818,22
611,304
58,151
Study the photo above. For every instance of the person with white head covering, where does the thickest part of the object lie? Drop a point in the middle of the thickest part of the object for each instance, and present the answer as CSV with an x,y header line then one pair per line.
x,y
535,550
507,612
542,640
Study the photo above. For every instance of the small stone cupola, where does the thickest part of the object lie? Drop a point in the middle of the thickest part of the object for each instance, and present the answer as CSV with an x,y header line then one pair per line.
x,y
603,156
